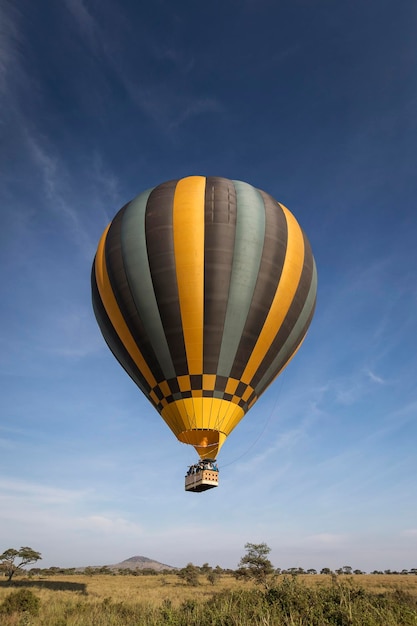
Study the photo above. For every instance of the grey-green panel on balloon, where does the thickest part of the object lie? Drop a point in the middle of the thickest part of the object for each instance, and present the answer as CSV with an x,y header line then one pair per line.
x,y
250,234
140,280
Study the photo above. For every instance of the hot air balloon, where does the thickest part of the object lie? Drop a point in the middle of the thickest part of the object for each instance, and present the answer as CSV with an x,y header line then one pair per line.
x,y
203,289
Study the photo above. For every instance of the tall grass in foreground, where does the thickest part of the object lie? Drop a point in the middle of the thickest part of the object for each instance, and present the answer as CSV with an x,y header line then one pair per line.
x,y
292,602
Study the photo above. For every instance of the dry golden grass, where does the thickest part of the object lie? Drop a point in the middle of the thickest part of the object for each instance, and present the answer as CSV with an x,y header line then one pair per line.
x,y
378,583
155,590
75,600
374,583
81,600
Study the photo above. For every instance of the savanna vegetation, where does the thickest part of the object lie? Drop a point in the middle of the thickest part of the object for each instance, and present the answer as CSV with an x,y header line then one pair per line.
x,y
253,595
12,560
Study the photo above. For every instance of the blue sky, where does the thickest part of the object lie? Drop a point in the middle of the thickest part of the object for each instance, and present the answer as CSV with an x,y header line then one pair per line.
x,y
313,101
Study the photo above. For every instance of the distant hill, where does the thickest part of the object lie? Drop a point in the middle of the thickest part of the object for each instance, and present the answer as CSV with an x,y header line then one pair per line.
x,y
140,562
135,562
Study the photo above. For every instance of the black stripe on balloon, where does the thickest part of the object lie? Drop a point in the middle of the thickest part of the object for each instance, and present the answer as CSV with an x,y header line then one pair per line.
x,y
121,290
219,236
161,255
112,339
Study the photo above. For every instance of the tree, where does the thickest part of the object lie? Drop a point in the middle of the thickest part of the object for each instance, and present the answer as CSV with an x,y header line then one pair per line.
x,y
9,557
294,571
189,573
255,565
213,576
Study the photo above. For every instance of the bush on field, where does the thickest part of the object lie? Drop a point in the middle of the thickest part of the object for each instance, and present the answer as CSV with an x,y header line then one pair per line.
x,y
189,574
293,602
21,601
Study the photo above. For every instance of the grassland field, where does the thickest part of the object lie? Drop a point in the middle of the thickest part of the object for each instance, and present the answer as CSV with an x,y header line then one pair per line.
x,y
80,600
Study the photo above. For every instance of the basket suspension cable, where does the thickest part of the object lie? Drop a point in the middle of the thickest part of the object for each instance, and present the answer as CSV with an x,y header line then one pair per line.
x,y
217,422
272,411
262,431
194,422
211,408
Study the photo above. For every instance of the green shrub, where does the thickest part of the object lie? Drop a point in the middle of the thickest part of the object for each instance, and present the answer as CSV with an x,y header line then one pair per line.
x,y
21,601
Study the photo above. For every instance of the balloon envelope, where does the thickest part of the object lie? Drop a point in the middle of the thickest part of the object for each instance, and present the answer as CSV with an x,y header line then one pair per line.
x,y
203,289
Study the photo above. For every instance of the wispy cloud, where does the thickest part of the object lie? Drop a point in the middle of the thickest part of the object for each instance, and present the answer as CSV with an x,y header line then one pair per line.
x,y
9,48
109,525
39,494
41,155
325,540
85,21
56,183
197,106
375,378
106,191
351,388
286,440
54,513
12,438
70,334
168,106
168,102
7,444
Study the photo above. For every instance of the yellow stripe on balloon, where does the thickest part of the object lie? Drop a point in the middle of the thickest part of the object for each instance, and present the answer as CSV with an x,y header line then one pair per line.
x,y
287,287
188,227
114,314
